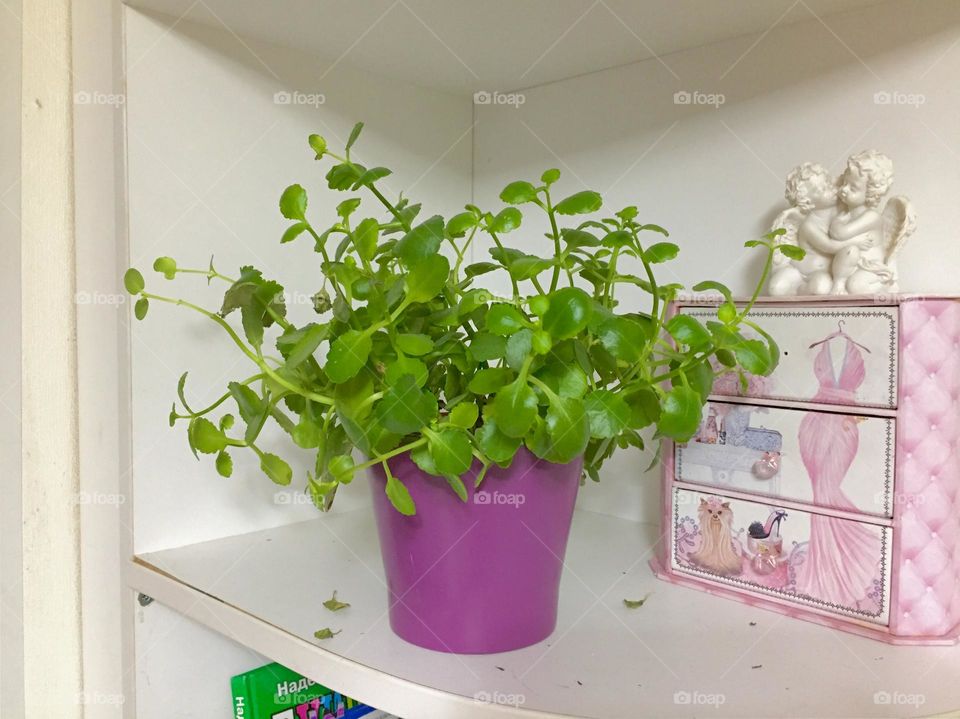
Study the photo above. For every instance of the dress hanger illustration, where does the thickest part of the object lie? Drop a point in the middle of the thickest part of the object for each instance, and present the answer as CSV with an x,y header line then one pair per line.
x,y
840,333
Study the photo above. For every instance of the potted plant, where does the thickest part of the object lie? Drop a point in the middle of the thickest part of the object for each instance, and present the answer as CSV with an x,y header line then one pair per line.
x,y
477,414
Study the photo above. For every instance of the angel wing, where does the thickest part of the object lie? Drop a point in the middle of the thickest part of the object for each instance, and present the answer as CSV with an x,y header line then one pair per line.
x,y
899,222
788,220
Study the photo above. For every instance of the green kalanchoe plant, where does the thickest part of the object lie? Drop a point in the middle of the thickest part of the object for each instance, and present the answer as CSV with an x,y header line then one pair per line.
x,y
408,354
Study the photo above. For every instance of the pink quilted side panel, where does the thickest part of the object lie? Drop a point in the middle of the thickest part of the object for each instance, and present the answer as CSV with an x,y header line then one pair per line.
x,y
926,595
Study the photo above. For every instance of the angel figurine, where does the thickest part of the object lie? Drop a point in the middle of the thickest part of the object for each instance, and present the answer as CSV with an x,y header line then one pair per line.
x,y
850,244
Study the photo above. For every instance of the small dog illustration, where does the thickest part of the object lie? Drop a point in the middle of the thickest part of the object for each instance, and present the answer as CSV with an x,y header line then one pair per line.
x,y
716,551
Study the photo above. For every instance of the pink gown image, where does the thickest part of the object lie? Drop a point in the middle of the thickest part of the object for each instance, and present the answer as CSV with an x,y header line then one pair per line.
x,y
842,557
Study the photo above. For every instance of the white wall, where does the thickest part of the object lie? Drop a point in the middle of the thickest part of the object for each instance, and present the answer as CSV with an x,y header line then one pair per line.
x,y
714,177
209,154
11,630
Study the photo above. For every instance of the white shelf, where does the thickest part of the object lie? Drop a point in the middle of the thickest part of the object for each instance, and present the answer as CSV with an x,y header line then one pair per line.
x,y
265,589
462,46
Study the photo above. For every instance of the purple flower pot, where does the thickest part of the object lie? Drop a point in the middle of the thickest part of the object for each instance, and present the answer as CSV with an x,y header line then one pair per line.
x,y
482,576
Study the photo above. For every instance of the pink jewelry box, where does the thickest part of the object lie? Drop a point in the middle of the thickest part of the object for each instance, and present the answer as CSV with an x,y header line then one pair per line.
x,y
854,522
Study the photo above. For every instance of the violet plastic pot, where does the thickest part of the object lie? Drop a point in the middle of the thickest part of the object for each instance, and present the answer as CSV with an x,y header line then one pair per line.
x,y
482,576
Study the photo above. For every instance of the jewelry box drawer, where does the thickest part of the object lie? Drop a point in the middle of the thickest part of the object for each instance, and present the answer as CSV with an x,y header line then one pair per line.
x,y
833,355
833,460
840,566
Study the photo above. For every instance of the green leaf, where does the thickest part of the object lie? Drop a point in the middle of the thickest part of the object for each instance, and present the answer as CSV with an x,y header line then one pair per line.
x,y
224,464
563,378
457,485
580,203
406,366
370,176
405,407
205,436
326,633
635,603
519,347
550,176
792,251
661,252
568,429
421,242
347,208
487,381
527,266
519,192
753,356
618,238
464,415
133,281
644,407
276,469
365,238
568,314
293,232
504,320
458,225
399,496
342,468
309,339
506,220
141,307
334,605
608,413
699,377
414,344
653,228
480,268
167,266
727,313
318,144
485,346
427,278
354,134
688,331
341,177
514,408
680,413
451,450
497,446
623,338
348,354
709,285
293,203
424,460
307,433
579,238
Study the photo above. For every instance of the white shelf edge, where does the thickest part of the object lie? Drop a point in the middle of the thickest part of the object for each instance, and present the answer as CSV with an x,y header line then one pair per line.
x,y
371,686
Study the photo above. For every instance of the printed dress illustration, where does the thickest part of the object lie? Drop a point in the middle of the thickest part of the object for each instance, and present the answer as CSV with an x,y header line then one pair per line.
x,y
831,562
841,562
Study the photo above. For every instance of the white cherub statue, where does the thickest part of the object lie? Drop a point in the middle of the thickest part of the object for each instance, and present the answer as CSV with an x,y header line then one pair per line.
x,y
851,246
